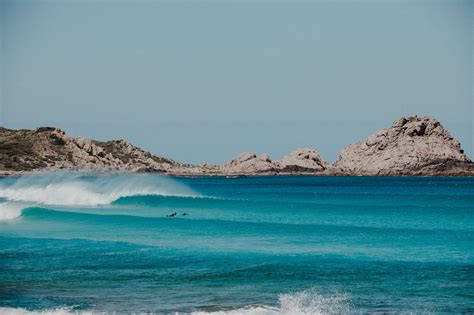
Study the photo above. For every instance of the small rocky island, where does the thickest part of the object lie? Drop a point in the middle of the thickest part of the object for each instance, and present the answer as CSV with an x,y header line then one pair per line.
x,y
418,146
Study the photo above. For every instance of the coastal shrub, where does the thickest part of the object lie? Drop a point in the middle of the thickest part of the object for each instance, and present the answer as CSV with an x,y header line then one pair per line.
x,y
12,148
160,159
57,140
44,129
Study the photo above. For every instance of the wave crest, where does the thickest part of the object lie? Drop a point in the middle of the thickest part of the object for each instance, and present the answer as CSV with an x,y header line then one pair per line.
x,y
71,189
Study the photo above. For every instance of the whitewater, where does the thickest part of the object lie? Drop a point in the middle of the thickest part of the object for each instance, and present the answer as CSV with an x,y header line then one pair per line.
x,y
77,243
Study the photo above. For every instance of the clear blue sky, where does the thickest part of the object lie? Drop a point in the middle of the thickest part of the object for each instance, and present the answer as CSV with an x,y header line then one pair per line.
x,y
205,80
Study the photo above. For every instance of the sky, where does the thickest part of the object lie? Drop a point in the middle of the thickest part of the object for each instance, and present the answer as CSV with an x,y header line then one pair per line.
x,y
202,81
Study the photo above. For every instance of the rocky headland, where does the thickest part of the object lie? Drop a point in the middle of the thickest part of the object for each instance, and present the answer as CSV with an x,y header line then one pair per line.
x,y
411,146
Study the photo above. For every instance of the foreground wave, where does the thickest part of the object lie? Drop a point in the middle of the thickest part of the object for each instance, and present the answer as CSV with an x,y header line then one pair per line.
x,y
302,302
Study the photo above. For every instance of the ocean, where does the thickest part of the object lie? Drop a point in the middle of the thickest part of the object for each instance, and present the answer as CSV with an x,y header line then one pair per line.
x,y
72,242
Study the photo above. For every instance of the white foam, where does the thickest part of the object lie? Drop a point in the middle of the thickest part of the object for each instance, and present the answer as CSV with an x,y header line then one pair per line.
x,y
70,189
10,210
311,302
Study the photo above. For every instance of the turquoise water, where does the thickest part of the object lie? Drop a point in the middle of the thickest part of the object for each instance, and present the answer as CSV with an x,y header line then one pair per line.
x,y
260,245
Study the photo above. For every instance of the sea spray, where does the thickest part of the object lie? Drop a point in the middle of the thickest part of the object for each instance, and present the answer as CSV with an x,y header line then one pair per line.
x,y
311,302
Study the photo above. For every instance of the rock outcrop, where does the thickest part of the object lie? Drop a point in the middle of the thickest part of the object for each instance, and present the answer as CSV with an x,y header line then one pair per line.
x,y
302,160
50,149
248,163
411,146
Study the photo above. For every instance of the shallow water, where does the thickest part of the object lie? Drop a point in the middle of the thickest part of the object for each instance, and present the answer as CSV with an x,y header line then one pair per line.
x,y
260,245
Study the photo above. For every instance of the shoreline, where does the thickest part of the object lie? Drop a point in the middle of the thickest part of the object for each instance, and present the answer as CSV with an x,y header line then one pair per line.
x,y
469,173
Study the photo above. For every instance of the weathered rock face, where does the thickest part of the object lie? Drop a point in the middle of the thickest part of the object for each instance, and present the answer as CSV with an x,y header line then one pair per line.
x,y
248,163
302,160
411,146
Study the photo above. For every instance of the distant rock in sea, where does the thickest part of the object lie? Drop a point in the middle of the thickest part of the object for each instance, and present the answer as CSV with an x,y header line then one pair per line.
x,y
302,160
411,146
248,163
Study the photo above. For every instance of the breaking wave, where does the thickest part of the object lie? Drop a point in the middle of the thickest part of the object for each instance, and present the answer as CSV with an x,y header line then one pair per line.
x,y
73,189
298,303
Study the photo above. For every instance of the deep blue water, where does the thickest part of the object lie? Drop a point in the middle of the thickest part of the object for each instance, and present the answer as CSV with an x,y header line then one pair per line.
x,y
264,245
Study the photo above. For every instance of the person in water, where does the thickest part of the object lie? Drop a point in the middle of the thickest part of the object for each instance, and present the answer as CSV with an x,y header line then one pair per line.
x,y
175,214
